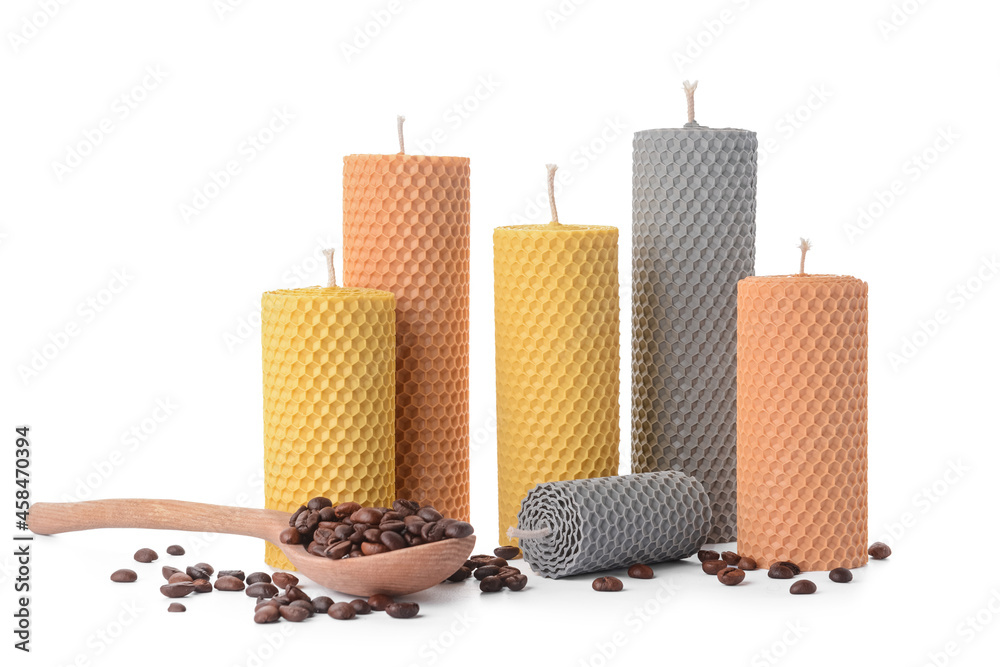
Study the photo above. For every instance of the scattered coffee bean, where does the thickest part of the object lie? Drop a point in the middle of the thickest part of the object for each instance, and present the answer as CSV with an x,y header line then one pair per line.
x,y
778,571
196,572
731,576
293,614
202,586
841,575
178,577
232,573
403,609
609,584
507,553
294,593
124,576
284,579
321,604
380,601
640,571
258,578
713,566
508,571
228,582
267,614
516,582
802,587
486,571
178,590
461,574
879,551
361,607
261,589
731,557
168,571
747,563
341,611
205,567
708,554
176,607
145,555
791,566
270,602
498,562
308,606
491,584
175,550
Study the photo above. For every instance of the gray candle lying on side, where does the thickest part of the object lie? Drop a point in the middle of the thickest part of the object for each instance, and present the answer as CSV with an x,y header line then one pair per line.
x,y
693,225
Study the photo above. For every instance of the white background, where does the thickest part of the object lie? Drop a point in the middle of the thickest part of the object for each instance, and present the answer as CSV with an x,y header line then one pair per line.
x,y
850,100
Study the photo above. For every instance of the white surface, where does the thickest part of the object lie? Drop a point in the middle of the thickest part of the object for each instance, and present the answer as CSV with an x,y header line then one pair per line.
x,y
554,92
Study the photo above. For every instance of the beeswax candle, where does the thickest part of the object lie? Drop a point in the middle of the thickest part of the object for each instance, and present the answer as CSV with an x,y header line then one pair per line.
x,y
406,230
693,225
557,356
329,395
803,420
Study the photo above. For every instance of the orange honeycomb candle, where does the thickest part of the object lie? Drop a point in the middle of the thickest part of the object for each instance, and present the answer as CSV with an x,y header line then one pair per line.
x,y
329,393
406,230
557,356
802,419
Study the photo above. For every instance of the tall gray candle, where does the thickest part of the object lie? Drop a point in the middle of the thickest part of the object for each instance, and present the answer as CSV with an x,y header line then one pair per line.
x,y
693,225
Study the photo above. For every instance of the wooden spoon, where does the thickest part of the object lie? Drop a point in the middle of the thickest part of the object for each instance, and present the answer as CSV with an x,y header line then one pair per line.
x,y
397,572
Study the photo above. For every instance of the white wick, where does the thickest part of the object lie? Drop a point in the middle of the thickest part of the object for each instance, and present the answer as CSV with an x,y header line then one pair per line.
x,y
331,273
399,131
804,246
520,534
552,192
689,89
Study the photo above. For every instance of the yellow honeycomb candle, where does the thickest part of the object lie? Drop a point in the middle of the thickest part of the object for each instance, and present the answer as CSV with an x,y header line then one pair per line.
x,y
329,398
557,356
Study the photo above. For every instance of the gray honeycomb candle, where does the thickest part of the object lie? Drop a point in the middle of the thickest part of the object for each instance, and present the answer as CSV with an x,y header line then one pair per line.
x,y
588,525
693,225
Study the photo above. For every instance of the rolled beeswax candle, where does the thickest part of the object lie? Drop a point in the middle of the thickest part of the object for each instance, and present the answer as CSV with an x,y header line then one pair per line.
x,y
803,420
557,356
406,230
329,395
693,226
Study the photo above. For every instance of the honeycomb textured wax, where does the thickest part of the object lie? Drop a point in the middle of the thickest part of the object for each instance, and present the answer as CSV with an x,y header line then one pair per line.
x,y
608,522
693,227
329,392
803,420
406,230
557,357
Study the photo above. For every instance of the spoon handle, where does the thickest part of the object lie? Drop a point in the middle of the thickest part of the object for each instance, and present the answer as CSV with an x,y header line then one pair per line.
x,y
52,518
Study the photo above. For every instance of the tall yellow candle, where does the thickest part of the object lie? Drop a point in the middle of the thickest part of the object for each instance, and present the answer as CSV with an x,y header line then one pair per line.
x,y
557,356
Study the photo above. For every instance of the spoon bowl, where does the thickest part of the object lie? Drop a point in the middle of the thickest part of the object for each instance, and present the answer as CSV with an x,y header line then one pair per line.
x,y
399,572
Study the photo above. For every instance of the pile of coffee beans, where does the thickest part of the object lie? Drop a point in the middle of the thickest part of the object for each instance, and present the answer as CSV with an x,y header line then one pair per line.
x,y
494,573
349,530
296,606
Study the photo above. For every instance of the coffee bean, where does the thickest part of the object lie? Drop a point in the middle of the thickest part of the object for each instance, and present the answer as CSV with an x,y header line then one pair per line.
x,y
778,571
404,506
361,607
321,604
379,601
178,577
403,609
284,579
295,515
269,602
202,586
176,607
368,515
747,563
490,584
145,555
731,576
341,611
233,573
802,587
429,514
319,503
124,576
196,572
229,583
338,550
516,582
392,526
481,559
373,549
294,593
258,577
507,553
289,536
281,600
293,614
305,604
607,584
713,566
841,575
879,551
708,554
267,614
505,572
168,571
261,589
344,510
177,590
731,557
791,566
640,571
416,526
498,562
205,567
461,574
393,540
175,550
459,529
486,571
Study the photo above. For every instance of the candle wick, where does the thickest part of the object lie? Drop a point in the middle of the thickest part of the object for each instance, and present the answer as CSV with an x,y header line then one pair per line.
x,y
399,131
805,247
689,89
331,273
520,534
552,192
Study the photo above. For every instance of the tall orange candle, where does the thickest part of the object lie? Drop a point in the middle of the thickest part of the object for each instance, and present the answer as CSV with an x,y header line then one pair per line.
x,y
557,356
406,230
802,419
